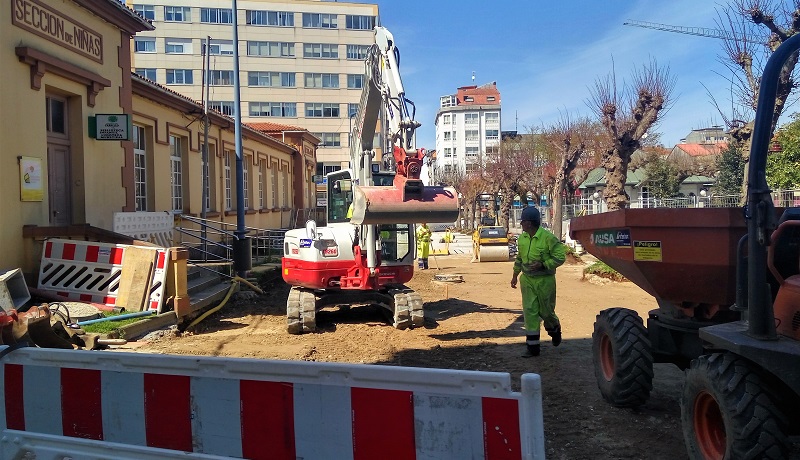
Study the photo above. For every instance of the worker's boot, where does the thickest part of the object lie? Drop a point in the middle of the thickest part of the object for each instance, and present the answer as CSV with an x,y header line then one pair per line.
x,y
421,264
533,346
555,334
424,264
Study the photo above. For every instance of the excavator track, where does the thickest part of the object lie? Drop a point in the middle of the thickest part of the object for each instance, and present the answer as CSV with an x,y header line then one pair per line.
x,y
301,312
407,308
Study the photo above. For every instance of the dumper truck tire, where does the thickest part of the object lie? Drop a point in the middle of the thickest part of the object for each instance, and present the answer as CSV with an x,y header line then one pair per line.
x,y
727,411
623,362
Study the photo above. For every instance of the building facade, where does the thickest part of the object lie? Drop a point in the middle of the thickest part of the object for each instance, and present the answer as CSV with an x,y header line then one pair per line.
x,y
301,62
467,128
84,138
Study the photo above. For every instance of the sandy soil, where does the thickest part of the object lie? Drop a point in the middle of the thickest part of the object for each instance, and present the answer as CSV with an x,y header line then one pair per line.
x,y
475,325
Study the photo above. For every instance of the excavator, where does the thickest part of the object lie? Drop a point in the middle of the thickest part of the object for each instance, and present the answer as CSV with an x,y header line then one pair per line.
x,y
365,253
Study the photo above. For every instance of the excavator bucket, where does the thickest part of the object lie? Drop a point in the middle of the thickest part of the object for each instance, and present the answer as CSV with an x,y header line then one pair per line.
x,y
413,203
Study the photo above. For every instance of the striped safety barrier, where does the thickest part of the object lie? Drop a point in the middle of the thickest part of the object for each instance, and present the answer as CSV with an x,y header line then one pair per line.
x,y
137,406
154,227
89,271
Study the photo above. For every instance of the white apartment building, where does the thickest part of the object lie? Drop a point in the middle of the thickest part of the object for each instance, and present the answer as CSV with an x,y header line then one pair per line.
x,y
301,62
467,127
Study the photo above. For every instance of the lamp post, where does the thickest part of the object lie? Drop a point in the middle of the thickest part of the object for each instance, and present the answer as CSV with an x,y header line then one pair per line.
x,y
242,255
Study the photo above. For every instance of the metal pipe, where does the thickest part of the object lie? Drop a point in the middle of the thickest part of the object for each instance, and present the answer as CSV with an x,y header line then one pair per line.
x,y
760,211
116,318
237,102
206,84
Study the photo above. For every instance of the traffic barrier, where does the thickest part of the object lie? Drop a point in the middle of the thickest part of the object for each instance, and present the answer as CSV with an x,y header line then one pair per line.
x,y
138,406
154,227
88,271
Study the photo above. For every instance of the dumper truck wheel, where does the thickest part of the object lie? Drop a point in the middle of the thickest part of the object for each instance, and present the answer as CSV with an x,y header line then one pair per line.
x,y
728,412
623,363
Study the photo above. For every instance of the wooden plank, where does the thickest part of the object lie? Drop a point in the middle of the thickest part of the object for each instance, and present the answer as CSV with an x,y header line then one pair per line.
x,y
136,278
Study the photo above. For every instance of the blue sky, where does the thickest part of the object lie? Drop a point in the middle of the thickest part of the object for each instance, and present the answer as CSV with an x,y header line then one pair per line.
x,y
545,57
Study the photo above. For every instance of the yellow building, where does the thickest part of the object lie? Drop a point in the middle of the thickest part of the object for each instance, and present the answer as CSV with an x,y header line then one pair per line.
x,y
67,83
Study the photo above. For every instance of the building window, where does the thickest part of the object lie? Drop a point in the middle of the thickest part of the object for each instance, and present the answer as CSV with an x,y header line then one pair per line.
x,y
270,18
179,77
492,134
144,45
492,118
262,175
140,168
447,101
285,183
360,22
446,119
448,169
216,15
448,152
246,162
357,52
471,135
273,109
490,98
355,81
471,152
321,80
227,159
472,168
177,14
471,118
468,99
146,11
176,172
223,107
352,109
323,110
329,139
147,73
218,47
270,49
272,79
220,77
178,45
321,50
320,20
447,135
273,177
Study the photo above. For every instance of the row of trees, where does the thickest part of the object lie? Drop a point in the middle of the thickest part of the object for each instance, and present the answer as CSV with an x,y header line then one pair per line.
x,y
553,160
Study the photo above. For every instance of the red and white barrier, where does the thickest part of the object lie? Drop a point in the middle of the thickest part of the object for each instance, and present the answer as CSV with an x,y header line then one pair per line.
x,y
159,406
88,271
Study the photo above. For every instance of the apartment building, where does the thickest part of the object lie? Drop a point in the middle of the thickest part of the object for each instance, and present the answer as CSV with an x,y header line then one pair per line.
x,y
467,127
301,62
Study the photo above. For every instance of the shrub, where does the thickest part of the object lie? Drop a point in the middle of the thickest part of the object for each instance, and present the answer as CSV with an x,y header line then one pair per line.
x,y
602,270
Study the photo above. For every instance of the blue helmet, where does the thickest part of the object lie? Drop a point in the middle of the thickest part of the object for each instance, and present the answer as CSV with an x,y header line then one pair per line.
x,y
531,213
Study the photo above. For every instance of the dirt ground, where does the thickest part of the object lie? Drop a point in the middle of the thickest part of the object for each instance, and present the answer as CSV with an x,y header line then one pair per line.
x,y
474,325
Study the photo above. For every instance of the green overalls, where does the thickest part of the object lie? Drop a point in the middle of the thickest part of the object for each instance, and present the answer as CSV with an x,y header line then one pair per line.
x,y
539,287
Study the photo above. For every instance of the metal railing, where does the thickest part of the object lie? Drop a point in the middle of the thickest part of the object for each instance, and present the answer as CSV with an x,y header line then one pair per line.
x,y
588,205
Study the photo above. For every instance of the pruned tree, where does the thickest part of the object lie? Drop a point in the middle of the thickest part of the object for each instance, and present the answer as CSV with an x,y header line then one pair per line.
x,y
569,141
513,170
626,115
661,177
755,29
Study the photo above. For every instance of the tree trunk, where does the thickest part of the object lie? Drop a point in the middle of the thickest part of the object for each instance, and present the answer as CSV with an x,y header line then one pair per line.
x,y
505,208
615,163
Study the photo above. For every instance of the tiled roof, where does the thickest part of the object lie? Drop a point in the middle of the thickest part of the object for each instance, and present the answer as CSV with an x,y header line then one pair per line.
x,y
270,127
701,150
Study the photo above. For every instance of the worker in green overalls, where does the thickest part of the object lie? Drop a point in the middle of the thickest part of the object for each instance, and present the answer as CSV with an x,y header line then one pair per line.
x,y
423,245
539,253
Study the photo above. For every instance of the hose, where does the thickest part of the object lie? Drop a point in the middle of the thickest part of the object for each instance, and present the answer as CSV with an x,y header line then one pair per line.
x,y
234,285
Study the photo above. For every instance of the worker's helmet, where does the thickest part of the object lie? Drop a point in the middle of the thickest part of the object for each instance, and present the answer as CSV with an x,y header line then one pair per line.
x,y
531,214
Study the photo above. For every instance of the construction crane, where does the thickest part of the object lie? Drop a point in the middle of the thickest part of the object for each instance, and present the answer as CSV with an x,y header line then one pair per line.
x,y
698,31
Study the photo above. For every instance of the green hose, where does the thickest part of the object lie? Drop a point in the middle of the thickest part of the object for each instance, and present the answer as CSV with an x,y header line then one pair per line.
x,y
234,285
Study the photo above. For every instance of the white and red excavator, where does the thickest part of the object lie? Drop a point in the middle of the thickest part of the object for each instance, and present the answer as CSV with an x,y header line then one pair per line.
x,y
365,254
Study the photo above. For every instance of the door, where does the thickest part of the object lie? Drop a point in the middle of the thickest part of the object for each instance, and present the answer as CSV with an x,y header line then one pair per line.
x,y
59,177
58,180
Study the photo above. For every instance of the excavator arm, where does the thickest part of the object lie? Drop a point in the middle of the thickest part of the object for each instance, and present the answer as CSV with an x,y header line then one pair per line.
x,y
408,200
